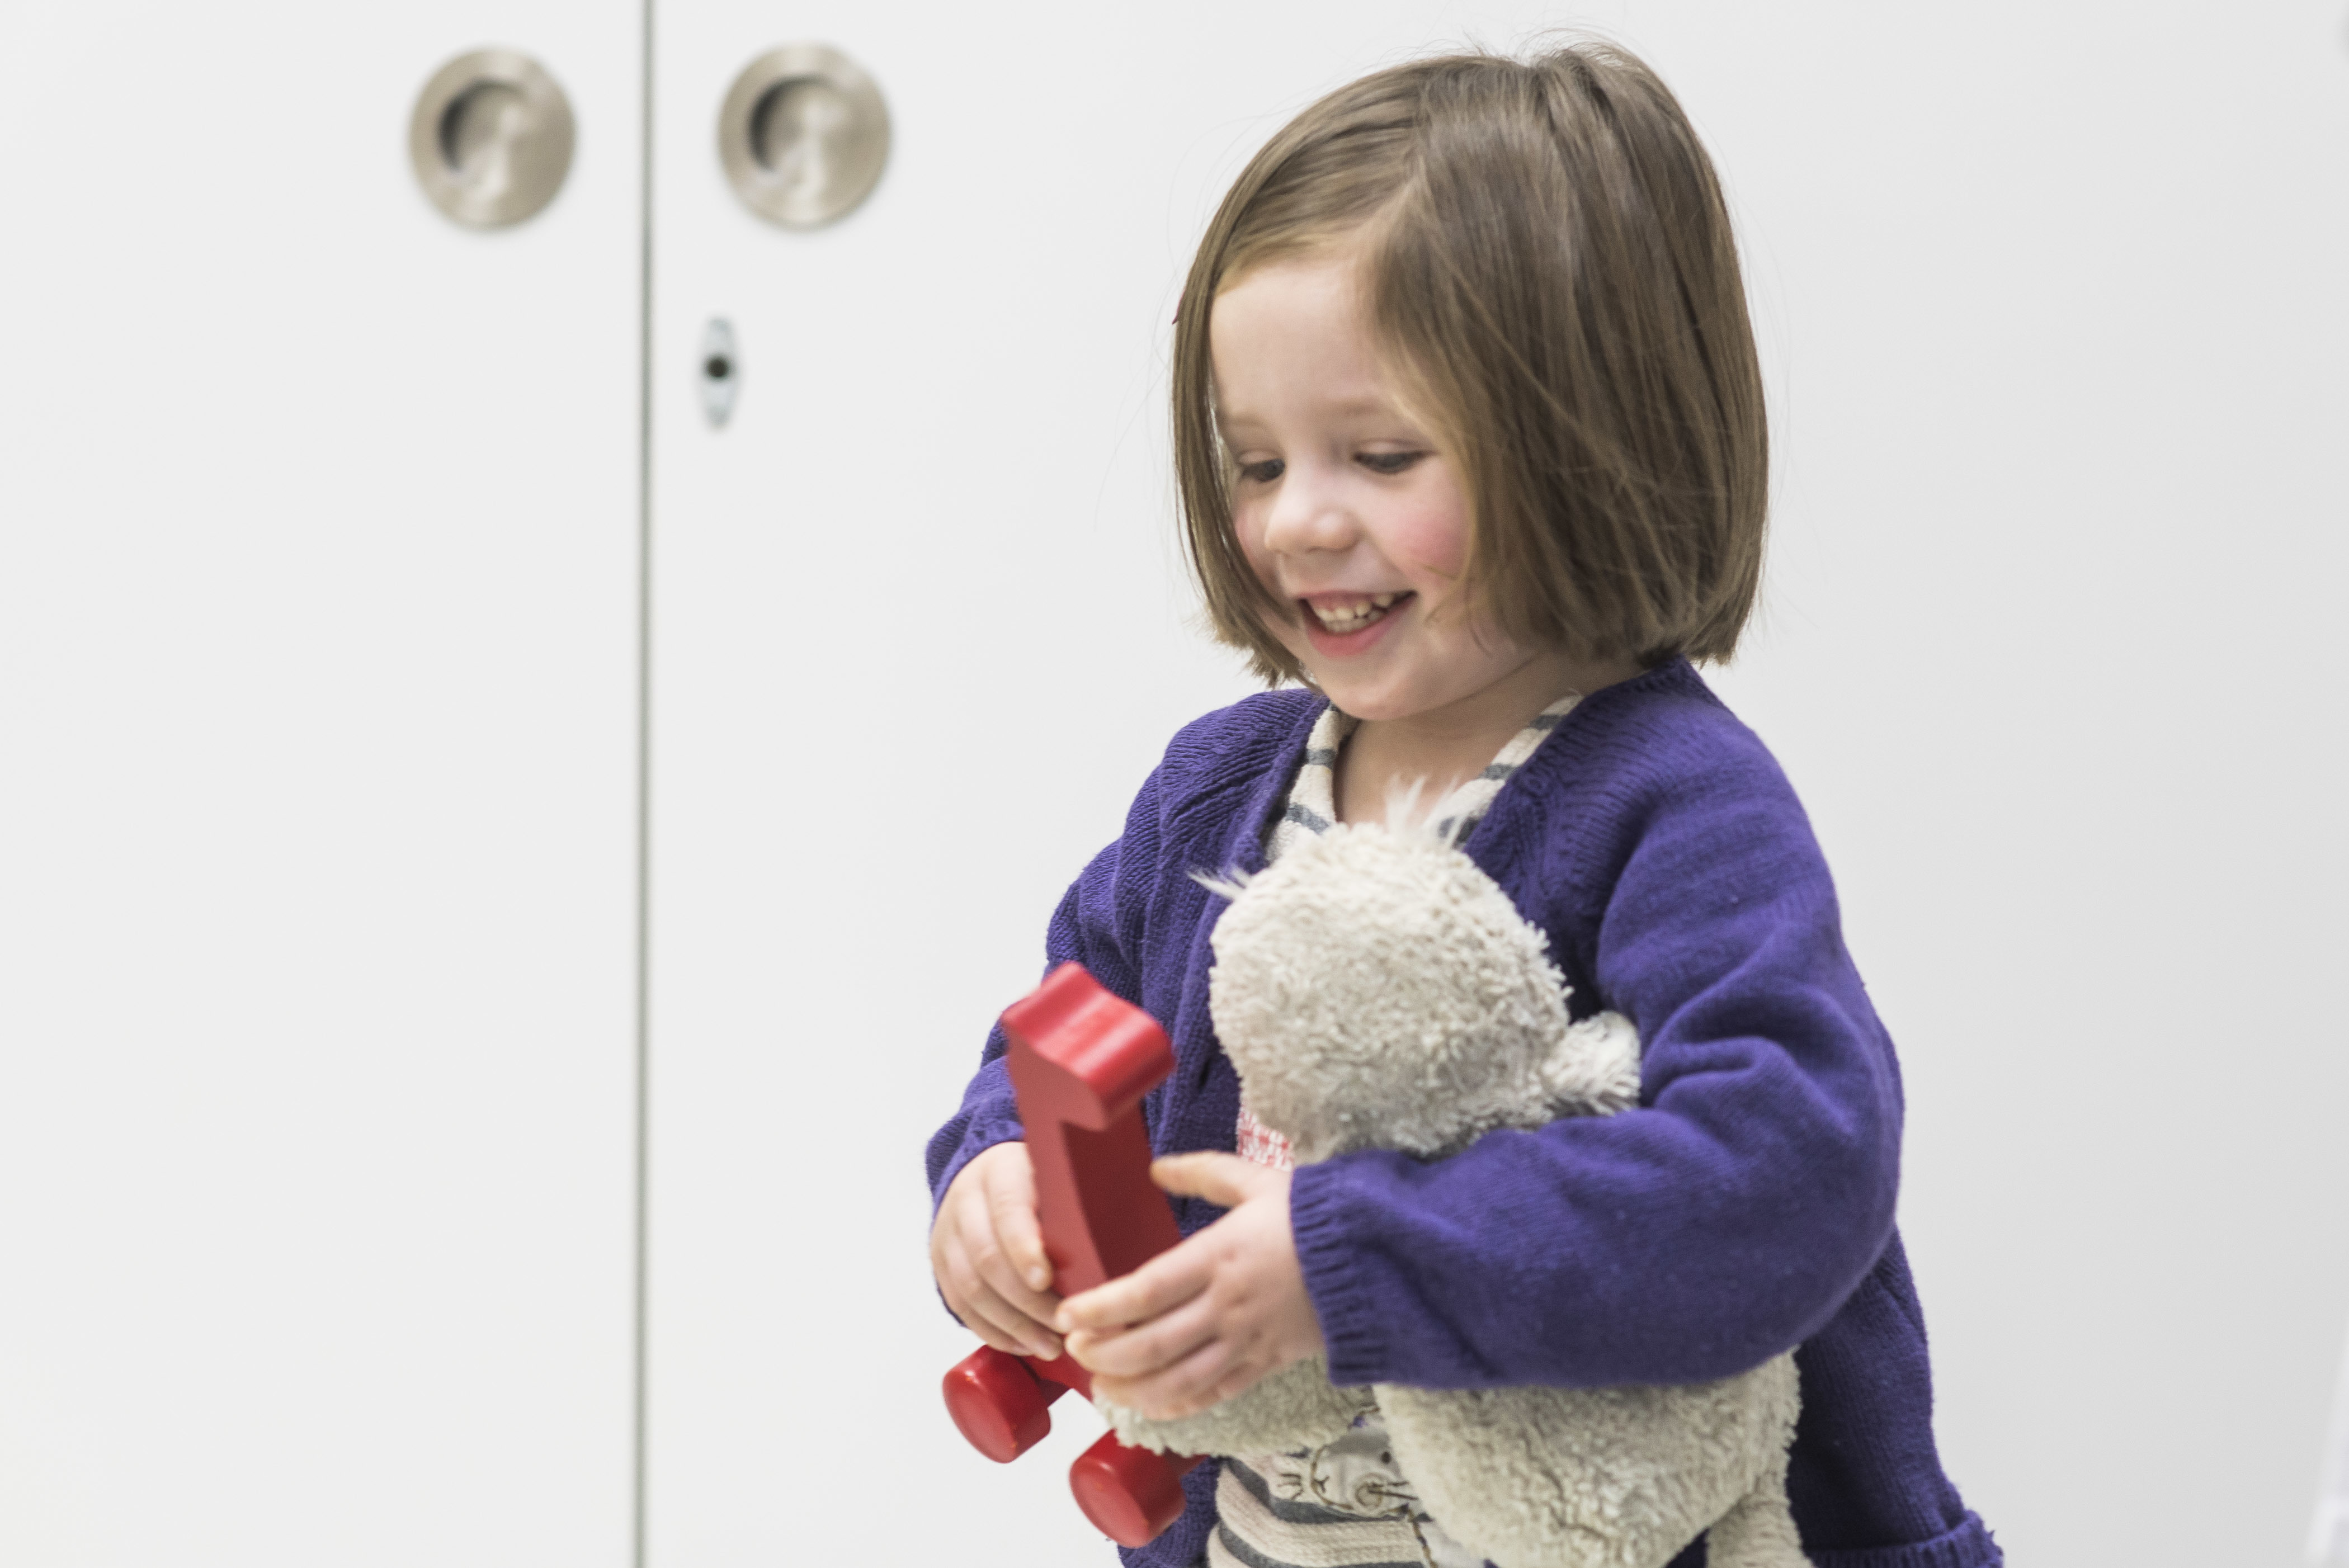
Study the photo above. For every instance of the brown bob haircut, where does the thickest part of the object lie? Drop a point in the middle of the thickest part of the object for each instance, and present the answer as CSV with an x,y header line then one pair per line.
x,y
1549,272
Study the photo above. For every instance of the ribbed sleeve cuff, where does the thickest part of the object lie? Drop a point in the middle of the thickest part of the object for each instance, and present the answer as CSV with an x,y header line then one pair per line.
x,y
1350,1326
977,1140
1968,1546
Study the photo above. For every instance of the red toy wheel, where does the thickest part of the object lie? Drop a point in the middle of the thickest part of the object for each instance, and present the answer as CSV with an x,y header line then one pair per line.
x,y
998,1404
1132,1495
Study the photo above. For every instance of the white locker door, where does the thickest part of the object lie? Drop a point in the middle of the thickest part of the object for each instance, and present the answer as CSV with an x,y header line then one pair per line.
x,y
2051,315
318,577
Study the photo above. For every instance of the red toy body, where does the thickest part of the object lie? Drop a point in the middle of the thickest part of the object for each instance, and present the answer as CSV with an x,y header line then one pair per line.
x,y
1080,1061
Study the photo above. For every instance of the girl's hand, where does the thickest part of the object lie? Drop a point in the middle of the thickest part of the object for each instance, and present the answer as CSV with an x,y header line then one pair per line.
x,y
1201,1322
988,1255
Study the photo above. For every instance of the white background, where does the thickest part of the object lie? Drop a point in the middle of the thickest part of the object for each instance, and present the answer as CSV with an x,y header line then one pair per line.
x,y
317,578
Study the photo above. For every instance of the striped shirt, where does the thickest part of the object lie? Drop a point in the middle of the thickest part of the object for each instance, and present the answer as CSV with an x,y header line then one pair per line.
x,y
1344,1504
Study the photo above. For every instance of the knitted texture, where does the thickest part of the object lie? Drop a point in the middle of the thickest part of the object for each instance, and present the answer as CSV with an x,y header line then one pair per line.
x,y
1742,1208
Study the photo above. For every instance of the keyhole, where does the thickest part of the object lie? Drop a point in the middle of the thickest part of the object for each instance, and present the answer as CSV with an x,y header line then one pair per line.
x,y
719,366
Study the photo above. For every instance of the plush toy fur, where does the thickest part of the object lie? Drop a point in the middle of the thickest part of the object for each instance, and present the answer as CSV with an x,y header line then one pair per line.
x,y
1375,989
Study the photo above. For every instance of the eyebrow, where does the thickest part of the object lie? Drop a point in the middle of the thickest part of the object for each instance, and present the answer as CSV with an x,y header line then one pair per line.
x,y
1379,406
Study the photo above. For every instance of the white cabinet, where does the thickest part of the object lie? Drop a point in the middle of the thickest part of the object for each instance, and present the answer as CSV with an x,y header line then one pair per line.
x,y
319,743
317,747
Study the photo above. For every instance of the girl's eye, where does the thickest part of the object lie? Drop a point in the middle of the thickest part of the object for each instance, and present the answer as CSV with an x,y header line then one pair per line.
x,y
1388,462
1265,472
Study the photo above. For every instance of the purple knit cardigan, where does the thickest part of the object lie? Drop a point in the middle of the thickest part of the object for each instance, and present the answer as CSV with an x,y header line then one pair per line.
x,y
1743,1208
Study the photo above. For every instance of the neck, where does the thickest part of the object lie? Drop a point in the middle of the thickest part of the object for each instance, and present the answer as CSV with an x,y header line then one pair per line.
x,y
1446,745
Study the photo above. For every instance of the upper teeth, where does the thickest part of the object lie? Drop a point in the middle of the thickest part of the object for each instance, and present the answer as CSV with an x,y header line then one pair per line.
x,y
1348,617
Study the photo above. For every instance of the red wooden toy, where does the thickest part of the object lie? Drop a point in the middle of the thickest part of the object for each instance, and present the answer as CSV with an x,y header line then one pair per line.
x,y
1081,1061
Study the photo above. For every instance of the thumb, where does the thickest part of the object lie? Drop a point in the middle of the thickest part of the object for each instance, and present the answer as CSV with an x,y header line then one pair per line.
x,y
1224,1179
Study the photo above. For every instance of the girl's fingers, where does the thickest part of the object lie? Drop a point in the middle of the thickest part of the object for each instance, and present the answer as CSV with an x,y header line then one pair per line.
x,y
983,1243
975,1305
1038,1306
1011,1205
1166,1281
1224,1179
1162,1343
984,1249
1001,1324
1185,1388
1023,1312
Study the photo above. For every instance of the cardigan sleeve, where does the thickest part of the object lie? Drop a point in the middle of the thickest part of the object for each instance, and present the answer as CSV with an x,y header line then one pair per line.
x,y
1097,925
1721,1222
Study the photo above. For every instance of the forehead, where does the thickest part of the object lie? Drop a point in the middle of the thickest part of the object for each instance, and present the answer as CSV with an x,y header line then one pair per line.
x,y
1293,336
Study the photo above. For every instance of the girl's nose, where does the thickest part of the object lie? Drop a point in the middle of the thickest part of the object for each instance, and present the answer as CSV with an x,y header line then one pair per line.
x,y
1308,514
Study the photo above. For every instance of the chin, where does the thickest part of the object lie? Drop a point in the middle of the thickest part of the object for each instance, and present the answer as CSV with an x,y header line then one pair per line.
x,y
1369,704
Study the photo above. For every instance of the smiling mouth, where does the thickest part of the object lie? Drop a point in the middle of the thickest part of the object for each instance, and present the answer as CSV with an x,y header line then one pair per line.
x,y
1339,613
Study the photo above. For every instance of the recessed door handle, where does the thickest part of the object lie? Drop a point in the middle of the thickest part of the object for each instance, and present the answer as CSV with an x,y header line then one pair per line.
x,y
490,138
802,135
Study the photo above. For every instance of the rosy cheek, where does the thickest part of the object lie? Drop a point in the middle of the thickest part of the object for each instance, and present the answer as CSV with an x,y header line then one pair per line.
x,y
1433,537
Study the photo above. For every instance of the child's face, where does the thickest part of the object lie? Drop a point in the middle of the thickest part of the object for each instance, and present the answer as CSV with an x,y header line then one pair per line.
x,y
1350,512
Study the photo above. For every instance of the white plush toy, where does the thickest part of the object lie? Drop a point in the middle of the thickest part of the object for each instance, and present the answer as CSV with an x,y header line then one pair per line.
x,y
1376,989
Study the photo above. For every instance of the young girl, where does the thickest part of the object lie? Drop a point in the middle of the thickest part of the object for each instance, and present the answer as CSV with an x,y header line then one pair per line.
x,y
1471,442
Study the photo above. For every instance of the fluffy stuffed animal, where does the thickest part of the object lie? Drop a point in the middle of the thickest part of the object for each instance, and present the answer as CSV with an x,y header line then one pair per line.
x,y
1376,989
